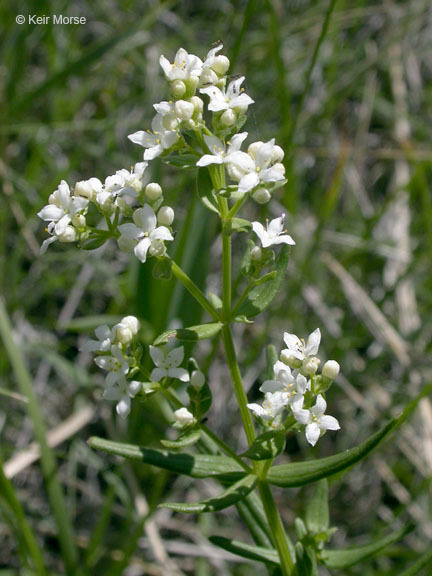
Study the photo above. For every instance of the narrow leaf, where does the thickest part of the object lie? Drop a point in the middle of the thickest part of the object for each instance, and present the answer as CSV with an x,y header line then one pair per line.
x,y
259,553
185,161
267,445
230,496
188,438
317,511
337,559
194,465
260,297
425,560
237,225
191,334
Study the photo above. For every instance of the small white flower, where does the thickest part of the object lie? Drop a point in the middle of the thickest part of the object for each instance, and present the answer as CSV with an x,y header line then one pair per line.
x,y
330,369
273,405
233,98
297,350
125,330
273,233
292,385
156,141
219,153
103,343
184,67
122,392
315,419
183,418
88,188
257,169
116,365
217,62
167,365
165,216
144,236
59,211
122,183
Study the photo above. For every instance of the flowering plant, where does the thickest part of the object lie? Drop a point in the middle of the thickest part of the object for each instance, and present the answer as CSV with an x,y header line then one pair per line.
x,y
200,126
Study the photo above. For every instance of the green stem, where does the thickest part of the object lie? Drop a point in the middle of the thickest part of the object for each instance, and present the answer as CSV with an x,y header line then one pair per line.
x,y
242,298
48,463
195,291
276,527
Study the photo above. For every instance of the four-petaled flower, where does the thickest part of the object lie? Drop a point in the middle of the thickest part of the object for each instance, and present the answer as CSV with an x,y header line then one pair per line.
x,y
167,365
315,419
116,365
292,386
103,343
144,236
297,349
273,405
273,233
122,392
155,141
184,66
231,98
220,154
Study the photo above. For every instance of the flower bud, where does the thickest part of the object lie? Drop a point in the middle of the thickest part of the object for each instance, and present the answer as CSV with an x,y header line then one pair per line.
x,y
165,216
183,418
330,369
277,154
88,188
132,322
208,76
280,167
228,118
289,360
256,254
178,88
68,235
183,109
197,379
157,248
310,365
253,149
153,191
220,65
261,195
123,333
79,221
198,104
235,172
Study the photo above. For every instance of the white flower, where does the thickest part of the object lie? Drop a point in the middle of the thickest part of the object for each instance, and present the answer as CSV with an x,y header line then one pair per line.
x,y
330,369
273,233
59,211
184,67
125,330
272,406
183,418
315,420
292,386
122,183
219,153
218,63
103,343
156,141
257,168
232,98
144,236
116,365
297,352
88,188
122,392
168,365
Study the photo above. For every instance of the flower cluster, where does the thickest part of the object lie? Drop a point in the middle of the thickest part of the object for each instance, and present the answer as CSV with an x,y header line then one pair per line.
x,y
296,386
114,358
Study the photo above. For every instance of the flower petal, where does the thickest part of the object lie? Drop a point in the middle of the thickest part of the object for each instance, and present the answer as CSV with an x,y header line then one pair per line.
x,y
179,373
329,423
313,343
248,182
271,386
157,355
161,233
312,433
176,356
141,249
320,406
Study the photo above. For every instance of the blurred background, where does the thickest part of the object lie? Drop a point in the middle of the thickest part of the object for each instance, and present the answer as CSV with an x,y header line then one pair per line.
x,y
345,87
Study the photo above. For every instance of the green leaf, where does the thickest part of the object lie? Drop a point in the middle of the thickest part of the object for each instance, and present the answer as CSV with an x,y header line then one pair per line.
x,y
186,438
267,445
230,496
246,265
191,334
252,552
301,473
237,225
185,161
425,560
271,359
260,297
317,511
205,190
194,465
201,400
95,242
162,269
337,559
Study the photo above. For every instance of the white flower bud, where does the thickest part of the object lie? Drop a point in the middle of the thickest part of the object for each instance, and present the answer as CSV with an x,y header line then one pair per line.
x,y
310,365
157,248
178,88
208,76
198,104
261,195
123,333
197,379
132,322
277,154
153,191
280,167
183,109
235,172
88,188
68,235
165,216
169,122
256,254
220,65
290,360
183,418
330,369
79,221
228,118
253,148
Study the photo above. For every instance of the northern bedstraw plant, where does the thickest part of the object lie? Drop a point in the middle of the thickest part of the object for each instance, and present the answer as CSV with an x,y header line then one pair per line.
x,y
200,125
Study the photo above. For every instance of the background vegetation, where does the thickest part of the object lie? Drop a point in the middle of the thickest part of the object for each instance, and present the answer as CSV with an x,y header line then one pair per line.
x,y
351,105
